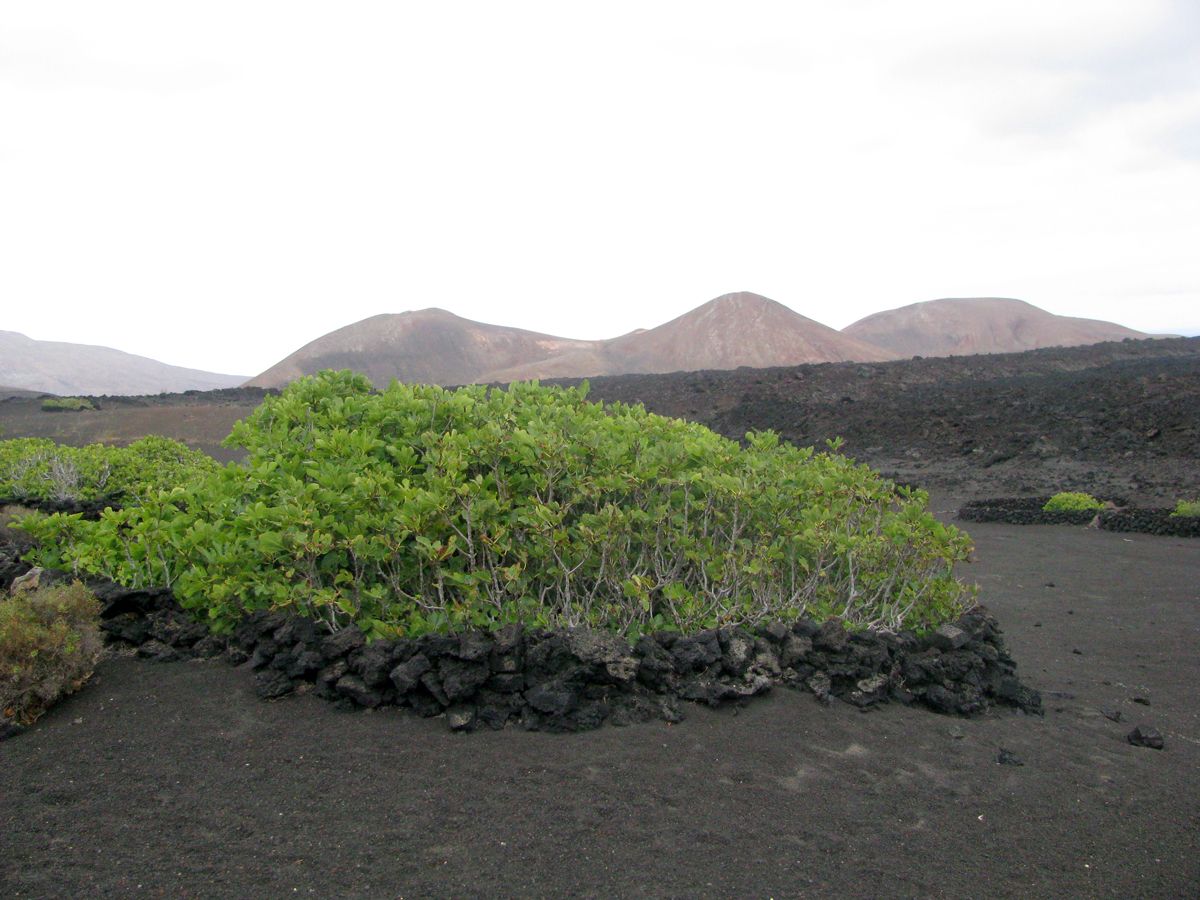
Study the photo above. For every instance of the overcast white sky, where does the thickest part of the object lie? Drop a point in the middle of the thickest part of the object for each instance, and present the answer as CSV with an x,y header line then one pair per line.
x,y
215,184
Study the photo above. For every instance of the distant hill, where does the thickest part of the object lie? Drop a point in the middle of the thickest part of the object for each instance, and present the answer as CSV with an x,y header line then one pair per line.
x,y
962,326
55,367
6,392
435,346
430,346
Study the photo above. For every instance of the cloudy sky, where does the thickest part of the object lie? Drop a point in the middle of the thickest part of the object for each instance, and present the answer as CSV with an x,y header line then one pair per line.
x,y
215,184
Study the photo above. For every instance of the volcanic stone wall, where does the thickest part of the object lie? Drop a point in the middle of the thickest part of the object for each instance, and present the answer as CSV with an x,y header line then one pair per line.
x,y
571,679
576,679
88,509
1028,511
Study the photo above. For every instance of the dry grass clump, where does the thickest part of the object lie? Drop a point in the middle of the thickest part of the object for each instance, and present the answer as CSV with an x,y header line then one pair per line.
x,y
49,643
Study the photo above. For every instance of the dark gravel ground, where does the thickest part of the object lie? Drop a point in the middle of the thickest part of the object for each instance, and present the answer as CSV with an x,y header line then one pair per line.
x,y
174,780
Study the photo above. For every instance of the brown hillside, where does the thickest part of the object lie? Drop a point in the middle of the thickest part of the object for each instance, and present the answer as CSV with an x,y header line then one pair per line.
x,y
435,346
55,367
429,345
734,330
961,326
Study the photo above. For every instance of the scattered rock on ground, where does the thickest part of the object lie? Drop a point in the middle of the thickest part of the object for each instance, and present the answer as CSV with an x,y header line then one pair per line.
x,y
1008,758
1144,736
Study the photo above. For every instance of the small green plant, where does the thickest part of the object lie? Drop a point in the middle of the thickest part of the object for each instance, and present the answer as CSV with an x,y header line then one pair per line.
x,y
66,404
1187,509
49,643
1072,501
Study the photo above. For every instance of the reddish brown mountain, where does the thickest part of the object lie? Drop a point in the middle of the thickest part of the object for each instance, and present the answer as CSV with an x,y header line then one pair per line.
x,y
438,347
961,326
734,330
429,346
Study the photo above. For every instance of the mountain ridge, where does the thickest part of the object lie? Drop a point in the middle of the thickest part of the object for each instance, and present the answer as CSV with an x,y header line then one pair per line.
x,y
730,331
434,345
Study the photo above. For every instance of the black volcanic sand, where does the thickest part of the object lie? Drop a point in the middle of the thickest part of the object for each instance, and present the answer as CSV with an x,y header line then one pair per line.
x,y
174,780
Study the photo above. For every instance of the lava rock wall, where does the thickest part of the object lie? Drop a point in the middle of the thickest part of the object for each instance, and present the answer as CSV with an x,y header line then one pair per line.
x,y
577,679
1028,511
88,509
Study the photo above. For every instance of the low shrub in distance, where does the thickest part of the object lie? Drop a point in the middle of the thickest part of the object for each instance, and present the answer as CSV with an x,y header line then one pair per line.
x,y
66,404
420,509
37,469
1072,501
1187,509
49,642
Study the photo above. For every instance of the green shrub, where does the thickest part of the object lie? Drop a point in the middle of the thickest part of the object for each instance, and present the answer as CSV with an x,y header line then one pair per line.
x,y
1187,508
49,642
66,404
38,469
33,469
421,509
155,464
1072,501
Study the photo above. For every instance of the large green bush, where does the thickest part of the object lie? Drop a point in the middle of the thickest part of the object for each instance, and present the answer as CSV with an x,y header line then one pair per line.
x,y
421,509
33,469
49,642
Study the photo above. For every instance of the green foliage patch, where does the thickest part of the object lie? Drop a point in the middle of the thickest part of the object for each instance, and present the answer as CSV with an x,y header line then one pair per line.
x,y
33,469
49,642
1072,501
420,509
66,404
1187,509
